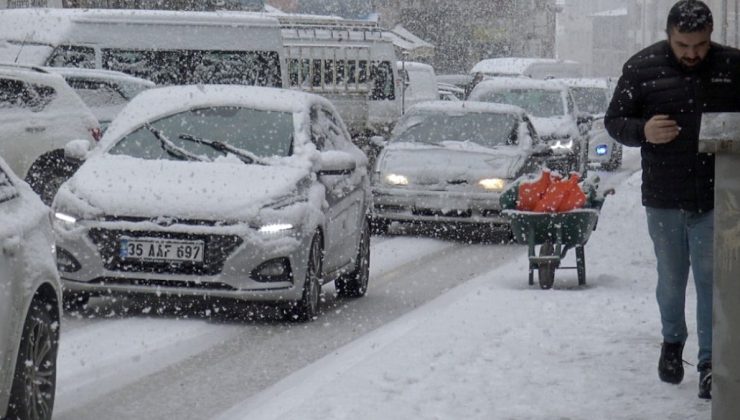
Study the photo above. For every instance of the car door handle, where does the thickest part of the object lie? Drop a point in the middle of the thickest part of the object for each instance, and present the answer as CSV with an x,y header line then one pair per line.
x,y
11,245
35,129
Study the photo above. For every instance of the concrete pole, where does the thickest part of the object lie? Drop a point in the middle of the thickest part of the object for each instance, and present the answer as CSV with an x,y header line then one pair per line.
x,y
720,134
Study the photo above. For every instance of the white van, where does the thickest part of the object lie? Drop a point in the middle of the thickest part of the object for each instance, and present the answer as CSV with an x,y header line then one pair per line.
x,y
166,47
420,83
536,68
352,63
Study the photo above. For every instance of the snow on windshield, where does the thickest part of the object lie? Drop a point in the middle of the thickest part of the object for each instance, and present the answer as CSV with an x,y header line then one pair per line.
x,y
486,129
263,133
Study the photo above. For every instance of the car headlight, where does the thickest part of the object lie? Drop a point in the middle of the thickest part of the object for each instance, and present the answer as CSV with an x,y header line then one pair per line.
x,y
565,143
492,184
65,218
396,179
602,150
275,228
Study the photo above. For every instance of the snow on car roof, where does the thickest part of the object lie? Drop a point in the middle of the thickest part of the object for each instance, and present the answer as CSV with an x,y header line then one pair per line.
x,y
592,82
30,73
160,102
99,74
514,65
49,25
414,66
518,83
465,106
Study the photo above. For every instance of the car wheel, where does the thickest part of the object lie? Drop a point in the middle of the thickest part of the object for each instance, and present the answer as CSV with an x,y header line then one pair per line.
x,y
354,284
49,172
307,308
34,380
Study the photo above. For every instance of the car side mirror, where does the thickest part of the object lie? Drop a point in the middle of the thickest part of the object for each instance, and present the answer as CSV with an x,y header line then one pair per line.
x,y
77,149
378,141
336,163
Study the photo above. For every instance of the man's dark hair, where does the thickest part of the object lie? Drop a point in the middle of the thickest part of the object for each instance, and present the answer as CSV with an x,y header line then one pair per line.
x,y
689,16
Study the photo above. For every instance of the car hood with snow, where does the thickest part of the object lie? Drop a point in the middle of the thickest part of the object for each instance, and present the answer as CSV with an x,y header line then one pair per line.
x,y
122,185
451,161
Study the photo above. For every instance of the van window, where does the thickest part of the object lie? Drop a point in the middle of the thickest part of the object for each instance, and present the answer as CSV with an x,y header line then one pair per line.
x,y
383,86
15,94
182,67
72,56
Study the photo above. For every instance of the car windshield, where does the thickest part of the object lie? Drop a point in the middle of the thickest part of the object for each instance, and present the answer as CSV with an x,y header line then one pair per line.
x,y
485,129
259,133
537,102
590,99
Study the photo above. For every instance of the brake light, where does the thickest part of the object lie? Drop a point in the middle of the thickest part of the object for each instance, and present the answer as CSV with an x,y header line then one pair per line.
x,y
96,133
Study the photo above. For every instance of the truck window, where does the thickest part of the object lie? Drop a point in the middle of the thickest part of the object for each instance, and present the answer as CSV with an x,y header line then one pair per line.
x,y
72,56
383,83
182,67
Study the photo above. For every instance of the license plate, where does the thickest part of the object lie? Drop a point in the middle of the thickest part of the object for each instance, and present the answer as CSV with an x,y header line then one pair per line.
x,y
154,249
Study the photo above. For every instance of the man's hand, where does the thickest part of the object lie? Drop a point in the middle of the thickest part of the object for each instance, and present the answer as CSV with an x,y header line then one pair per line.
x,y
660,129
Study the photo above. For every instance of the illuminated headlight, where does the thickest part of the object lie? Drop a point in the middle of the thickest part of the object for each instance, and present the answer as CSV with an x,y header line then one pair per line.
x,y
602,150
274,228
563,144
65,218
395,179
492,184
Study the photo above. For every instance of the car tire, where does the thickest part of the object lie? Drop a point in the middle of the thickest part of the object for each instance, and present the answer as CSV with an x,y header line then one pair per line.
x,y
49,172
615,161
34,380
307,308
354,284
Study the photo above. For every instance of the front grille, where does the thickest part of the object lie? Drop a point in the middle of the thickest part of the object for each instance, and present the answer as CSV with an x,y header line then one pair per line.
x,y
217,249
440,213
170,284
165,221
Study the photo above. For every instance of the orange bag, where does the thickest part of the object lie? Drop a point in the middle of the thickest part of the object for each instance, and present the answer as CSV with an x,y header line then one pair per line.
x,y
575,198
561,195
531,192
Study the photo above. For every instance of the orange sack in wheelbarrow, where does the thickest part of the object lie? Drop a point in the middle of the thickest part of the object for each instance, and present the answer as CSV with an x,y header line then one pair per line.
x,y
562,195
531,192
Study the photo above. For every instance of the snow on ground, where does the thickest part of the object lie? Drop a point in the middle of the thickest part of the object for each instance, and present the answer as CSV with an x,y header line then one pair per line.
x,y
496,348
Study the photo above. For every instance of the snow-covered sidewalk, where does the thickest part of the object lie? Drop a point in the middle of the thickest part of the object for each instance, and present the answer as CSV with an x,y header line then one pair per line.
x,y
496,348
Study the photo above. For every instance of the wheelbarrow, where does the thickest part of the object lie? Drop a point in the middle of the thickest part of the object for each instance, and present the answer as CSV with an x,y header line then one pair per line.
x,y
556,234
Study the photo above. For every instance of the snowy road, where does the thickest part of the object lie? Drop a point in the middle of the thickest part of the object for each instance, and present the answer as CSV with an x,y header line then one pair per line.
x,y
125,360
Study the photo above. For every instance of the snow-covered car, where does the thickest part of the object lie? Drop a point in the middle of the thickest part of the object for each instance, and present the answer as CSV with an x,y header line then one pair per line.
x,y
552,110
449,162
592,96
105,92
238,192
39,114
30,297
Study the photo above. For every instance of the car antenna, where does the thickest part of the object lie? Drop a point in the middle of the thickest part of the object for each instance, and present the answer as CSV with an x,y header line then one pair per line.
x,y
23,44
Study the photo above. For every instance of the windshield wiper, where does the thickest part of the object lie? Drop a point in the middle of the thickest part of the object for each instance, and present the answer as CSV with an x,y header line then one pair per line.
x,y
170,147
243,155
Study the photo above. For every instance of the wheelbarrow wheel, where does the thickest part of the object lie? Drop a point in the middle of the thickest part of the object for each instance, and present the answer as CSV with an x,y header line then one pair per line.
x,y
547,269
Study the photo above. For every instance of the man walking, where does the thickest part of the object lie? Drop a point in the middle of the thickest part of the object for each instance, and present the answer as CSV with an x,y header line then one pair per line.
x,y
657,106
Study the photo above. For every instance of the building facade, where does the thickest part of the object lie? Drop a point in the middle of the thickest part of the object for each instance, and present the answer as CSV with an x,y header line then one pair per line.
x,y
466,31
603,34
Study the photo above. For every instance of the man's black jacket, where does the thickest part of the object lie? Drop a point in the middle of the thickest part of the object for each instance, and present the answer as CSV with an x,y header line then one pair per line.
x,y
675,175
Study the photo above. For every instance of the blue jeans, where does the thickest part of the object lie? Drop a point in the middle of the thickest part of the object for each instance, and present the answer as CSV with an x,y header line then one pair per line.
x,y
684,239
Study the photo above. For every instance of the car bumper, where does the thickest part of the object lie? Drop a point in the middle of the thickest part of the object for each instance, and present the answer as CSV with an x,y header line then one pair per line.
x,y
415,205
89,262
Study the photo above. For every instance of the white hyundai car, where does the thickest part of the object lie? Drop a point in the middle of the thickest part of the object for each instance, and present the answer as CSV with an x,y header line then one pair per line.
x,y
30,302
222,191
